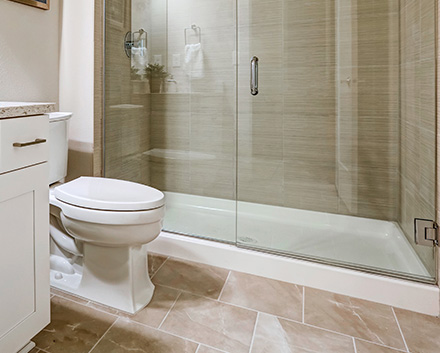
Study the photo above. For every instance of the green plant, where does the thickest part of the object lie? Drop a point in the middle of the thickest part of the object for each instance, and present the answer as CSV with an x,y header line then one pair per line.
x,y
156,71
134,74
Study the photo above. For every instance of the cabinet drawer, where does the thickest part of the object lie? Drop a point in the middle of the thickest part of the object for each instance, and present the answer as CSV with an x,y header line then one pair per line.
x,y
22,142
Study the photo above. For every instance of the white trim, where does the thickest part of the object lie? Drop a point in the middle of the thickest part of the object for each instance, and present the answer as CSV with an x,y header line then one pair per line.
x,y
418,297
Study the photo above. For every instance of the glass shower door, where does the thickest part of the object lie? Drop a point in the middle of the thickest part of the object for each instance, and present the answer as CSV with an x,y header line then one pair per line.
x,y
324,149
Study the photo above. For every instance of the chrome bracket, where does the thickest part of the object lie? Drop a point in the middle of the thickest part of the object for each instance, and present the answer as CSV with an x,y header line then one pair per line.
x,y
128,43
426,232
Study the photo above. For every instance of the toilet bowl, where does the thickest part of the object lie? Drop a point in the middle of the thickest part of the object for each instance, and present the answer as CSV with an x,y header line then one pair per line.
x,y
99,229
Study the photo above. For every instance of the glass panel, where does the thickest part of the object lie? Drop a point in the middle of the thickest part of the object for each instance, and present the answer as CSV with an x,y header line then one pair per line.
x,y
173,127
336,154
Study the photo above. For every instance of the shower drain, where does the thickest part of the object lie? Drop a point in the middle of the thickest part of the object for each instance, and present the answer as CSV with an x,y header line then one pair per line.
x,y
247,240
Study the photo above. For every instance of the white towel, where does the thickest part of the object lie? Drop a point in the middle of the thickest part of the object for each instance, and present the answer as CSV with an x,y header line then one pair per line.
x,y
194,60
139,59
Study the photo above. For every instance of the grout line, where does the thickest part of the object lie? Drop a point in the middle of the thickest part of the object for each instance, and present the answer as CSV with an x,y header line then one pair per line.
x,y
172,306
41,350
202,296
380,344
224,286
208,346
88,306
354,345
71,300
163,263
198,348
304,305
114,322
400,329
253,333
166,332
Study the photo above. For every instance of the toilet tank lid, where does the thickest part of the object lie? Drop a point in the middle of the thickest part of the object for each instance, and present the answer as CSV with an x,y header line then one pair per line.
x,y
109,194
59,116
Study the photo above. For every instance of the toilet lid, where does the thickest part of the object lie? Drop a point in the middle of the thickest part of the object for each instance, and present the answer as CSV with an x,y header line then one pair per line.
x,y
109,194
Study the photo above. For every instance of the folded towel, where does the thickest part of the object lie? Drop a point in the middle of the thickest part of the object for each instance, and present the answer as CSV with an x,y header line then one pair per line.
x,y
139,59
194,60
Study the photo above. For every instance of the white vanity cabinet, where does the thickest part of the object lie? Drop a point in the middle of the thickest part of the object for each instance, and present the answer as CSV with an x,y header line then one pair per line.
x,y
24,230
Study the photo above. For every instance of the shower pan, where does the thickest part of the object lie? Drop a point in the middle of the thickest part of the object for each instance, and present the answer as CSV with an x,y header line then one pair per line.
x,y
301,128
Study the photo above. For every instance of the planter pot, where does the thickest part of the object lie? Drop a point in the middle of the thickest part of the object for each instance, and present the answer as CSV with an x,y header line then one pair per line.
x,y
155,85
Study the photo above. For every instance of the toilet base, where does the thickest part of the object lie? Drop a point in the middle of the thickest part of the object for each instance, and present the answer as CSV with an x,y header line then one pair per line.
x,y
113,276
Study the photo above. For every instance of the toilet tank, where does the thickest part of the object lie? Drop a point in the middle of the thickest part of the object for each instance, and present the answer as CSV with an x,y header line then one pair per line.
x,y
58,145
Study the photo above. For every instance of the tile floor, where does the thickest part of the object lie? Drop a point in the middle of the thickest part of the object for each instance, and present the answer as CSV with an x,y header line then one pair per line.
x,y
204,309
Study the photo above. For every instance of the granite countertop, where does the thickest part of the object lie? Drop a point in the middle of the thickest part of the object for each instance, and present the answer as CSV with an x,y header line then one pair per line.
x,y
13,109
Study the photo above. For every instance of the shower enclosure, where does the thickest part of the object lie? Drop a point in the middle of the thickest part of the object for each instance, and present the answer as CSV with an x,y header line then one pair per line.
x,y
332,159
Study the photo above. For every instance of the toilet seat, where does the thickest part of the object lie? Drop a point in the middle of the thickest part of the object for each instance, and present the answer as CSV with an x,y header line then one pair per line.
x,y
107,194
108,201
110,217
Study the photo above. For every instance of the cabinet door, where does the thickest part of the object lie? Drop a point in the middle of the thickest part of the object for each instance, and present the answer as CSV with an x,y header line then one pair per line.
x,y
24,256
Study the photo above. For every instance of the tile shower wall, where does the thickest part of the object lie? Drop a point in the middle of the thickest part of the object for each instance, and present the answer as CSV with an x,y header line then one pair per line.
x,y
288,149
193,119
287,145
127,103
418,120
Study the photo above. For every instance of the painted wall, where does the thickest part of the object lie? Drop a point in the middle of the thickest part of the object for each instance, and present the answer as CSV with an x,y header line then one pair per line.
x,y
29,53
77,82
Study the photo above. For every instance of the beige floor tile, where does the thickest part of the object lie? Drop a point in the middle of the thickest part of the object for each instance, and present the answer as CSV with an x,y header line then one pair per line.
x,y
421,332
66,295
34,350
154,262
127,336
213,323
204,349
162,301
367,347
192,277
263,294
278,335
355,317
74,327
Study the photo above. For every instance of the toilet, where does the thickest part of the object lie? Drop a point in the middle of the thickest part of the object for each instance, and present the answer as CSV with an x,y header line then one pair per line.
x,y
99,228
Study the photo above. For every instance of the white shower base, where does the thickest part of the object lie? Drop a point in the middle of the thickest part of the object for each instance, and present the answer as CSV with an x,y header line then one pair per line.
x,y
350,241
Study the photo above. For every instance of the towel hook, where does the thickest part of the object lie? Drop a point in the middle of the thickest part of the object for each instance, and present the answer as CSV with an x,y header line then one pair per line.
x,y
196,28
130,42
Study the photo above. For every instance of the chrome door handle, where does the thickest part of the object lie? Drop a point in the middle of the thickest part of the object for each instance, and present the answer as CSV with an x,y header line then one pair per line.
x,y
24,144
254,76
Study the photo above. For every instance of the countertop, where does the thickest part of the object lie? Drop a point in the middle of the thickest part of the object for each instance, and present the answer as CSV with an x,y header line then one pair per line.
x,y
14,109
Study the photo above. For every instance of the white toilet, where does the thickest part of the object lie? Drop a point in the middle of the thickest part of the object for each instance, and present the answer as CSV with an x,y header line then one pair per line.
x,y
99,228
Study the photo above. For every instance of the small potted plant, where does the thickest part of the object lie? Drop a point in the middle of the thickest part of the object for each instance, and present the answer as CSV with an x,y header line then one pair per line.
x,y
156,74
